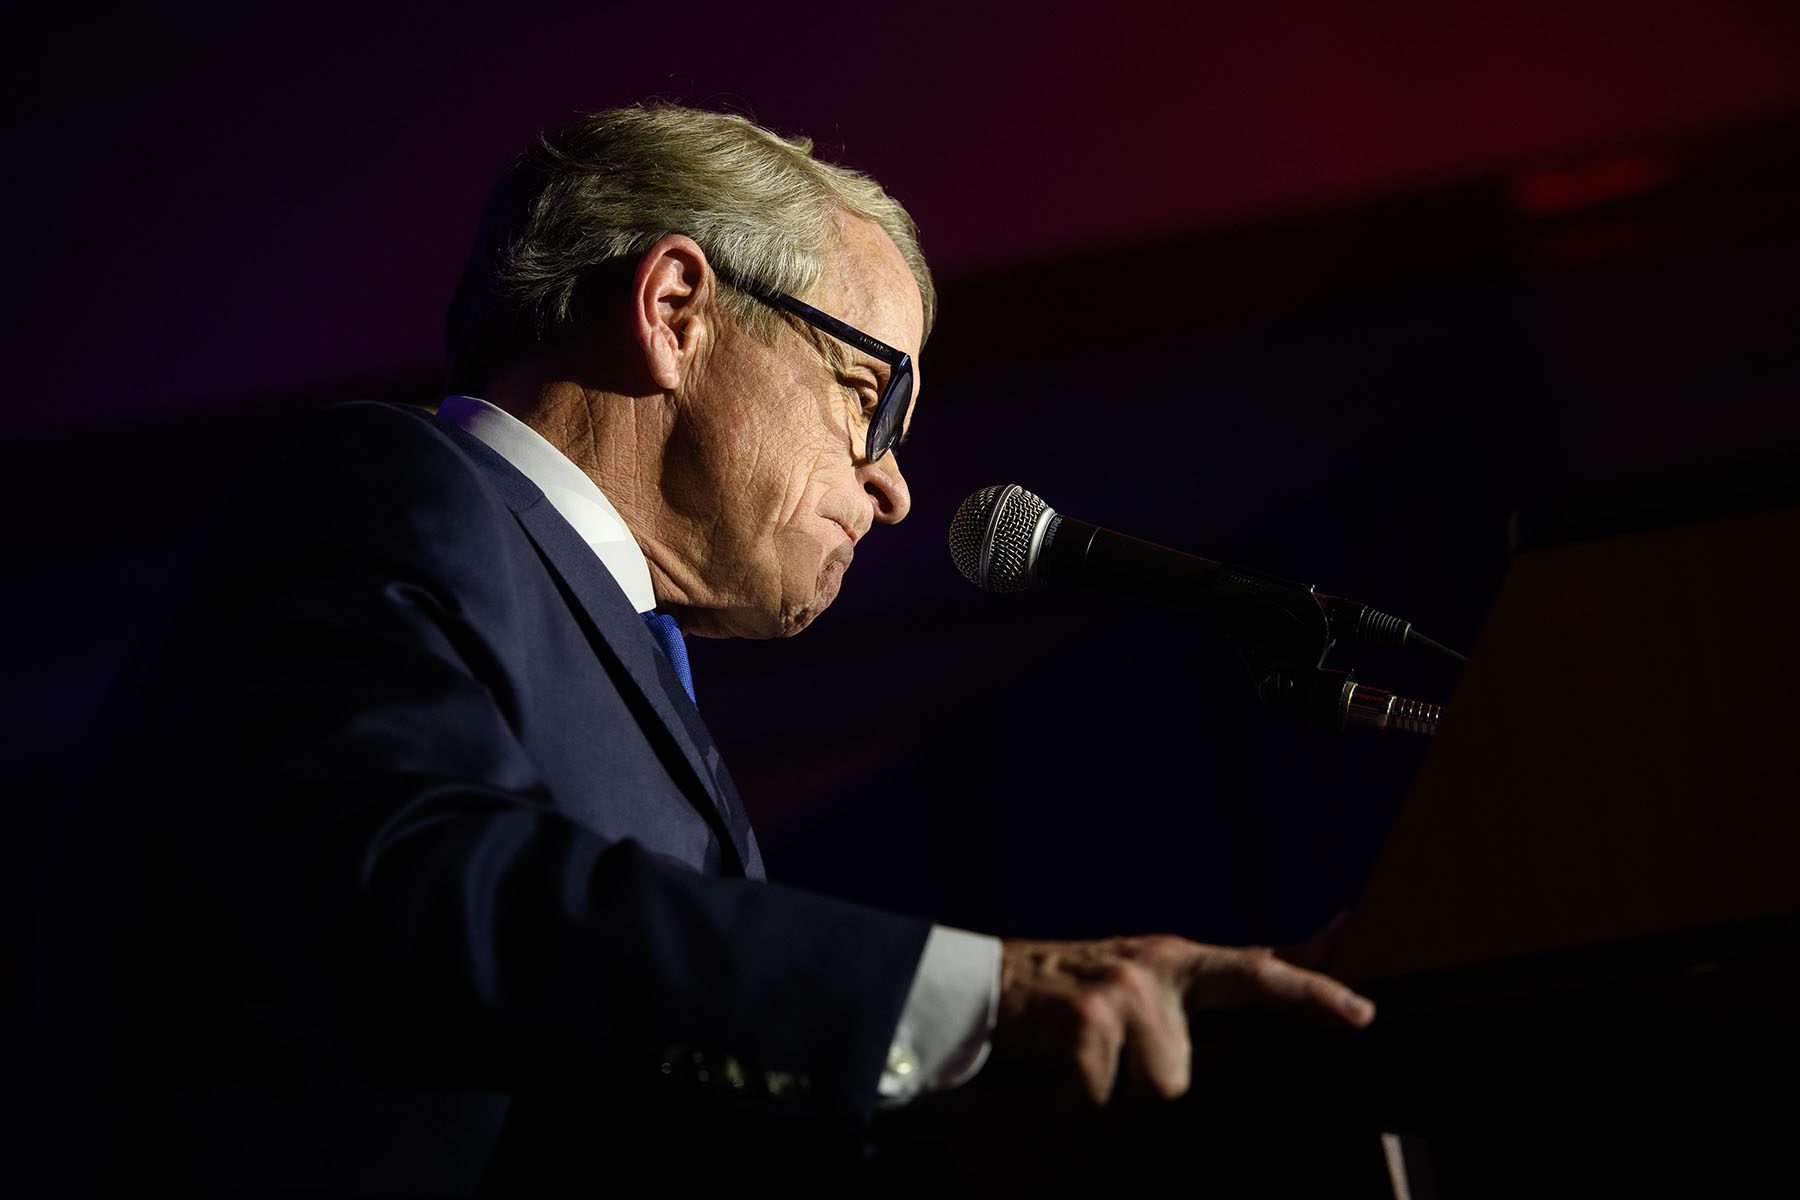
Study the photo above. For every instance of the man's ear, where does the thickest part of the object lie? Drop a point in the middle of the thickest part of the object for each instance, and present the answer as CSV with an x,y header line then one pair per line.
x,y
670,296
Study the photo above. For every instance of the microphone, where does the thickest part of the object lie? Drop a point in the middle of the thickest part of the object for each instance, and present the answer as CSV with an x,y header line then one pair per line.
x,y
1005,539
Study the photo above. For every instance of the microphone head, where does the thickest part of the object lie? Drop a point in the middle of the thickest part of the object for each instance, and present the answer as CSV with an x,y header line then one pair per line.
x,y
994,537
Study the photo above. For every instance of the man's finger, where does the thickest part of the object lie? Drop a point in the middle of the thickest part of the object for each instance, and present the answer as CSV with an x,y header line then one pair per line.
x,y
1158,1052
1286,986
1258,977
1100,1035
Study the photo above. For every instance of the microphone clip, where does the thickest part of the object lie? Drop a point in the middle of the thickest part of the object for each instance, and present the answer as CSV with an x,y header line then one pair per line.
x,y
1284,630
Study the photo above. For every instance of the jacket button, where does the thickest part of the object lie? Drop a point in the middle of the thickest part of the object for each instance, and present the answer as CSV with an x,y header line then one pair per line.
x,y
902,1061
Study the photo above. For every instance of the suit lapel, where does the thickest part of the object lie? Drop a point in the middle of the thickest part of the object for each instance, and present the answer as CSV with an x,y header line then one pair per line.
x,y
619,633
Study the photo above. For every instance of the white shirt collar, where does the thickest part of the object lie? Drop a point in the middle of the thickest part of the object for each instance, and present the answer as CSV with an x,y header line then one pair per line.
x,y
570,491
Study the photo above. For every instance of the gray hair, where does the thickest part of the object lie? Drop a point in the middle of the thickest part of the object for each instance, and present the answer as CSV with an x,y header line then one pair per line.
x,y
571,217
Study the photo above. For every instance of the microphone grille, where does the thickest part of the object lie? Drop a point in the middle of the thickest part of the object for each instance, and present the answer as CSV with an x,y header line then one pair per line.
x,y
991,537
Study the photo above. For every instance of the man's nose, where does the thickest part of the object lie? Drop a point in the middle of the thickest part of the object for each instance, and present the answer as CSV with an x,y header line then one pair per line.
x,y
884,482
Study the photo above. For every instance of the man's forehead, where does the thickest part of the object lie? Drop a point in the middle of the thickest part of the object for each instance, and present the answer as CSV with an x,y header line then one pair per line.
x,y
868,284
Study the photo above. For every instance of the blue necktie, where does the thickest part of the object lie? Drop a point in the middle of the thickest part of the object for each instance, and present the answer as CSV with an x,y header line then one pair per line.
x,y
668,636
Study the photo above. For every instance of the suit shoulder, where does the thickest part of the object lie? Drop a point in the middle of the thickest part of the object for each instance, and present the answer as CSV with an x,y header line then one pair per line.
x,y
366,475
374,453
372,433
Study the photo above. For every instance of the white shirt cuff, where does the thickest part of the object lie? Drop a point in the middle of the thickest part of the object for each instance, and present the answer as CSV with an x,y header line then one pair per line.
x,y
944,1030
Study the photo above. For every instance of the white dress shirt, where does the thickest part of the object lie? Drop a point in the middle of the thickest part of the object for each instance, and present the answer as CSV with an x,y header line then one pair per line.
x,y
943,1035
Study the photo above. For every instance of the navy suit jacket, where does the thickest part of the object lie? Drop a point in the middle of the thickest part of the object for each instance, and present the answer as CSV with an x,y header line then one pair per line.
x,y
409,864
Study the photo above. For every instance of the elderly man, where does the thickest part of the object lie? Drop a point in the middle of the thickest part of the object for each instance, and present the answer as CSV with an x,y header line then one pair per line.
x,y
416,865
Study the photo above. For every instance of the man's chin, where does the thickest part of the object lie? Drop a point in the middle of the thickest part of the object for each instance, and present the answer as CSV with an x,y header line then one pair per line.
x,y
795,617
759,621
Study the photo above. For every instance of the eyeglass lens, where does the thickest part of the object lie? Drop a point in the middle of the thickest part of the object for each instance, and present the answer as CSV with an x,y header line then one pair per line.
x,y
890,418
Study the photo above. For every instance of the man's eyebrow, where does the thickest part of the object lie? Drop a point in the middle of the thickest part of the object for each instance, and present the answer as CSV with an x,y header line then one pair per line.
x,y
839,356
847,360
842,357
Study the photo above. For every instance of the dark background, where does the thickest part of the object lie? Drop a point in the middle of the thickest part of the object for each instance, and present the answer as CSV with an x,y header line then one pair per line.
x,y
1330,290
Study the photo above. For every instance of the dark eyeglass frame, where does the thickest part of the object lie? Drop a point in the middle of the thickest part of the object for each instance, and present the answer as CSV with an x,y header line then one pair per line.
x,y
887,423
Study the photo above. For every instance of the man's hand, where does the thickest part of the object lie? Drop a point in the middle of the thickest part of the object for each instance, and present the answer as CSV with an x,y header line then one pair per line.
x,y
1085,1008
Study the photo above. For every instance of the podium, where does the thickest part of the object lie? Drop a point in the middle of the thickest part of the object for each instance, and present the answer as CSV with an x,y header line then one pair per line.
x,y
1584,929
1619,759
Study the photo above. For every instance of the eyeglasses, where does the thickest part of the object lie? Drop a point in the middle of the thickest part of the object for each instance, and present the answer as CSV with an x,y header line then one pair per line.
x,y
889,418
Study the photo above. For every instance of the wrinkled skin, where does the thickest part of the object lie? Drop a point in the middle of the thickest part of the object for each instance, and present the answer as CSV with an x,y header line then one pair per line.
x,y
770,483
736,463
1113,1014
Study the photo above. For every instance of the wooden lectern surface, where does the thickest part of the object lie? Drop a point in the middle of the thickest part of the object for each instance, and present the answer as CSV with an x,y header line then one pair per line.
x,y
1618,760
